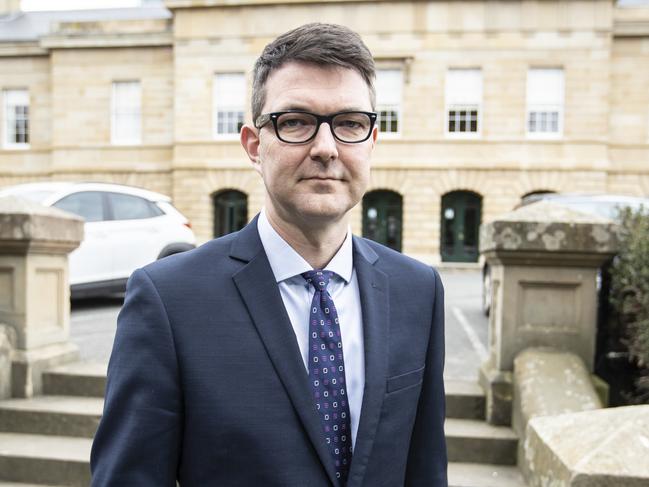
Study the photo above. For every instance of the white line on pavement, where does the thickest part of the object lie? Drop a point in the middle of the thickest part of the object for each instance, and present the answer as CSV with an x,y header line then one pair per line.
x,y
470,332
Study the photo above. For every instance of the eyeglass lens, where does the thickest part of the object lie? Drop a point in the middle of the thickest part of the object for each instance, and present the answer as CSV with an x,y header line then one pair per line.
x,y
300,127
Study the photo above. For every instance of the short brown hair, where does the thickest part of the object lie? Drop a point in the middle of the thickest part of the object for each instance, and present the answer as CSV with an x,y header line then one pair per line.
x,y
316,43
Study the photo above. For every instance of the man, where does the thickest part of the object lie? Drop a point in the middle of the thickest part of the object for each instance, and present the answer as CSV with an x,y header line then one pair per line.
x,y
290,353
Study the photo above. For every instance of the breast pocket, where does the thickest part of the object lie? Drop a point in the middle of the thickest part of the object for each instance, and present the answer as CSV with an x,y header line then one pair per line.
x,y
405,380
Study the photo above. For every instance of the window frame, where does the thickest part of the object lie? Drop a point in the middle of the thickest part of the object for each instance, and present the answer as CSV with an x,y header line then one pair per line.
x,y
398,108
114,114
6,143
464,106
216,135
560,108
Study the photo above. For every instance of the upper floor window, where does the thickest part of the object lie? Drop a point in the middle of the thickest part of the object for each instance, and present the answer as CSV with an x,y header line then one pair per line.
x,y
229,104
16,119
389,84
544,102
463,101
126,116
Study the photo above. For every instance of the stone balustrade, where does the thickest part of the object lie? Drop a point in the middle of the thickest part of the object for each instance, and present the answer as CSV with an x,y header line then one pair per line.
x,y
34,292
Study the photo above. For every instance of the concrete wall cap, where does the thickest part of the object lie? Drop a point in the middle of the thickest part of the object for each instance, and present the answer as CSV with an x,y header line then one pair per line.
x,y
25,221
553,382
13,205
602,447
548,227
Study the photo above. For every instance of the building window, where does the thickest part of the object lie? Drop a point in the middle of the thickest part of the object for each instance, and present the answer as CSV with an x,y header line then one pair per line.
x,y
126,117
383,218
460,226
544,102
389,83
229,104
463,101
230,211
16,119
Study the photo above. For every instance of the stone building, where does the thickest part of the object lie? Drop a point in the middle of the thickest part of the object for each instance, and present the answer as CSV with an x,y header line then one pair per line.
x,y
480,103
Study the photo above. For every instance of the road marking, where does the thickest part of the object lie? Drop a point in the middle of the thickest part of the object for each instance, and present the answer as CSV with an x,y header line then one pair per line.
x,y
470,332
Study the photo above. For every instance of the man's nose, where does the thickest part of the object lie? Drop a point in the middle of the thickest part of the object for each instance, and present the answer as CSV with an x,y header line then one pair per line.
x,y
323,146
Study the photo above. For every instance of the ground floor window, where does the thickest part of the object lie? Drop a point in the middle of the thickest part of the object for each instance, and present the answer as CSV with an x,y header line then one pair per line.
x,y
460,225
230,212
383,217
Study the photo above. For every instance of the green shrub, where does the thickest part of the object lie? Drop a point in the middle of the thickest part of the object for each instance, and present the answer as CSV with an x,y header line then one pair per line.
x,y
630,293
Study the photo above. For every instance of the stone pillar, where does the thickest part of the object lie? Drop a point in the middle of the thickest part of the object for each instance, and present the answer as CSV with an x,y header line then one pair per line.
x,y
34,288
544,259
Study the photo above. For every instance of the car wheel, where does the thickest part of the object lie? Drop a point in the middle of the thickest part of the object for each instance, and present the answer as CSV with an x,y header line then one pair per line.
x,y
486,290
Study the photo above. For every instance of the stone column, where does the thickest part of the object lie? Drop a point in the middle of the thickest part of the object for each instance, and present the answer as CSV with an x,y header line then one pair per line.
x,y
34,288
544,259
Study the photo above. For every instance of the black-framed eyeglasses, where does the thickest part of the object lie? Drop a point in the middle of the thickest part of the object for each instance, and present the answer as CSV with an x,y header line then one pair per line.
x,y
299,127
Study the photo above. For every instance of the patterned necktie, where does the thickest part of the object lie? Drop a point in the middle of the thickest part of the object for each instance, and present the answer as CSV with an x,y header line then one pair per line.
x,y
327,373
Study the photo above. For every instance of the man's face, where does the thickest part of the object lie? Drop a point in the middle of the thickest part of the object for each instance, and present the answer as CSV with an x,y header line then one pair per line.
x,y
321,180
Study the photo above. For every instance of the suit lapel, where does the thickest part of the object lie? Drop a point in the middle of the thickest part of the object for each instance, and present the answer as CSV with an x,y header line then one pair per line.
x,y
260,293
374,292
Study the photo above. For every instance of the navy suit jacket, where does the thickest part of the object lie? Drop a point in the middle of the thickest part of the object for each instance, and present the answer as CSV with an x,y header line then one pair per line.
x,y
206,383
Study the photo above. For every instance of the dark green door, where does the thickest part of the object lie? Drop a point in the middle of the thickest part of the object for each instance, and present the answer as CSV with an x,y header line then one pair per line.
x,y
460,222
230,212
382,218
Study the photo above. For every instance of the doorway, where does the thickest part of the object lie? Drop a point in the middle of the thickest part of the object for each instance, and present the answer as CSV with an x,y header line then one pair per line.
x,y
460,226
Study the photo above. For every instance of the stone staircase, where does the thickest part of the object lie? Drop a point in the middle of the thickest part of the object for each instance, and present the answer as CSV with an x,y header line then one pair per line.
x,y
46,440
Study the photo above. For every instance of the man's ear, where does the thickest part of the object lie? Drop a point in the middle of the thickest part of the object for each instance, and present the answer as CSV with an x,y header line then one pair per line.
x,y
249,137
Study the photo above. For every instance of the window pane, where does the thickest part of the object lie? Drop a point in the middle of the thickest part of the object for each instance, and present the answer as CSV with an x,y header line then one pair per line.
x,y
382,217
129,207
16,115
88,205
545,87
126,116
229,102
230,212
470,226
463,87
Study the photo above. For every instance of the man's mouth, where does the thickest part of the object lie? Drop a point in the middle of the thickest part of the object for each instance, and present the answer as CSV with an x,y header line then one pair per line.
x,y
322,178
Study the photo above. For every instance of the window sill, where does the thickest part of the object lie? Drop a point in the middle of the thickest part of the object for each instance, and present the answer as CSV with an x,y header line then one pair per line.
x,y
16,147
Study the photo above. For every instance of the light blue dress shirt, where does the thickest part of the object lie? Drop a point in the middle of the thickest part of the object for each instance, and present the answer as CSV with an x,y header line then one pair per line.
x,y
287,265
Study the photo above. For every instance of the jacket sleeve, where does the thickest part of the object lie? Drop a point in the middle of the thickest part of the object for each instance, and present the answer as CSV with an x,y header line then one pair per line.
x,y
138,439
427,461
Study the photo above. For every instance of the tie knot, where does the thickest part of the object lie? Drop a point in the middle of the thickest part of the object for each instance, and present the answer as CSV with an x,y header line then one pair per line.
x,y
318,279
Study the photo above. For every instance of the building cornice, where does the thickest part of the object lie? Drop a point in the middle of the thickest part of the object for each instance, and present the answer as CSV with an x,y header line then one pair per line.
x,y
631,28
631,21
86,41
22,49
180,4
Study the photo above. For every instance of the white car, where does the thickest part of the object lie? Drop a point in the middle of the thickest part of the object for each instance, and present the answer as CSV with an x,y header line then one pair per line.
x,y
125,228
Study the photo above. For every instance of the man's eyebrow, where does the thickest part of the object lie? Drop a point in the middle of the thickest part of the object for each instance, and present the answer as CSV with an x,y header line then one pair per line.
x,y
304,108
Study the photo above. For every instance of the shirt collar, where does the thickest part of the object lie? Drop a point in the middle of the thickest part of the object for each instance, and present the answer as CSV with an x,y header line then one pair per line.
x,y
285,262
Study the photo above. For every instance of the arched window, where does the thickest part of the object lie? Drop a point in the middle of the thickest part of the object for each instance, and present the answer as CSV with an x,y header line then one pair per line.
x,y
383,217
460,225
230,212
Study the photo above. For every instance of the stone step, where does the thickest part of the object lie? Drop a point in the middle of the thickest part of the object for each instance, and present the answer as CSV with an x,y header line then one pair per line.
x,y
479,475
87,379
474,441
52,415
464,399
42,459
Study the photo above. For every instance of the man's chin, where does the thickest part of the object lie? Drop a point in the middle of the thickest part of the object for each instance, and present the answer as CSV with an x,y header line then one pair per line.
x,y
324,210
